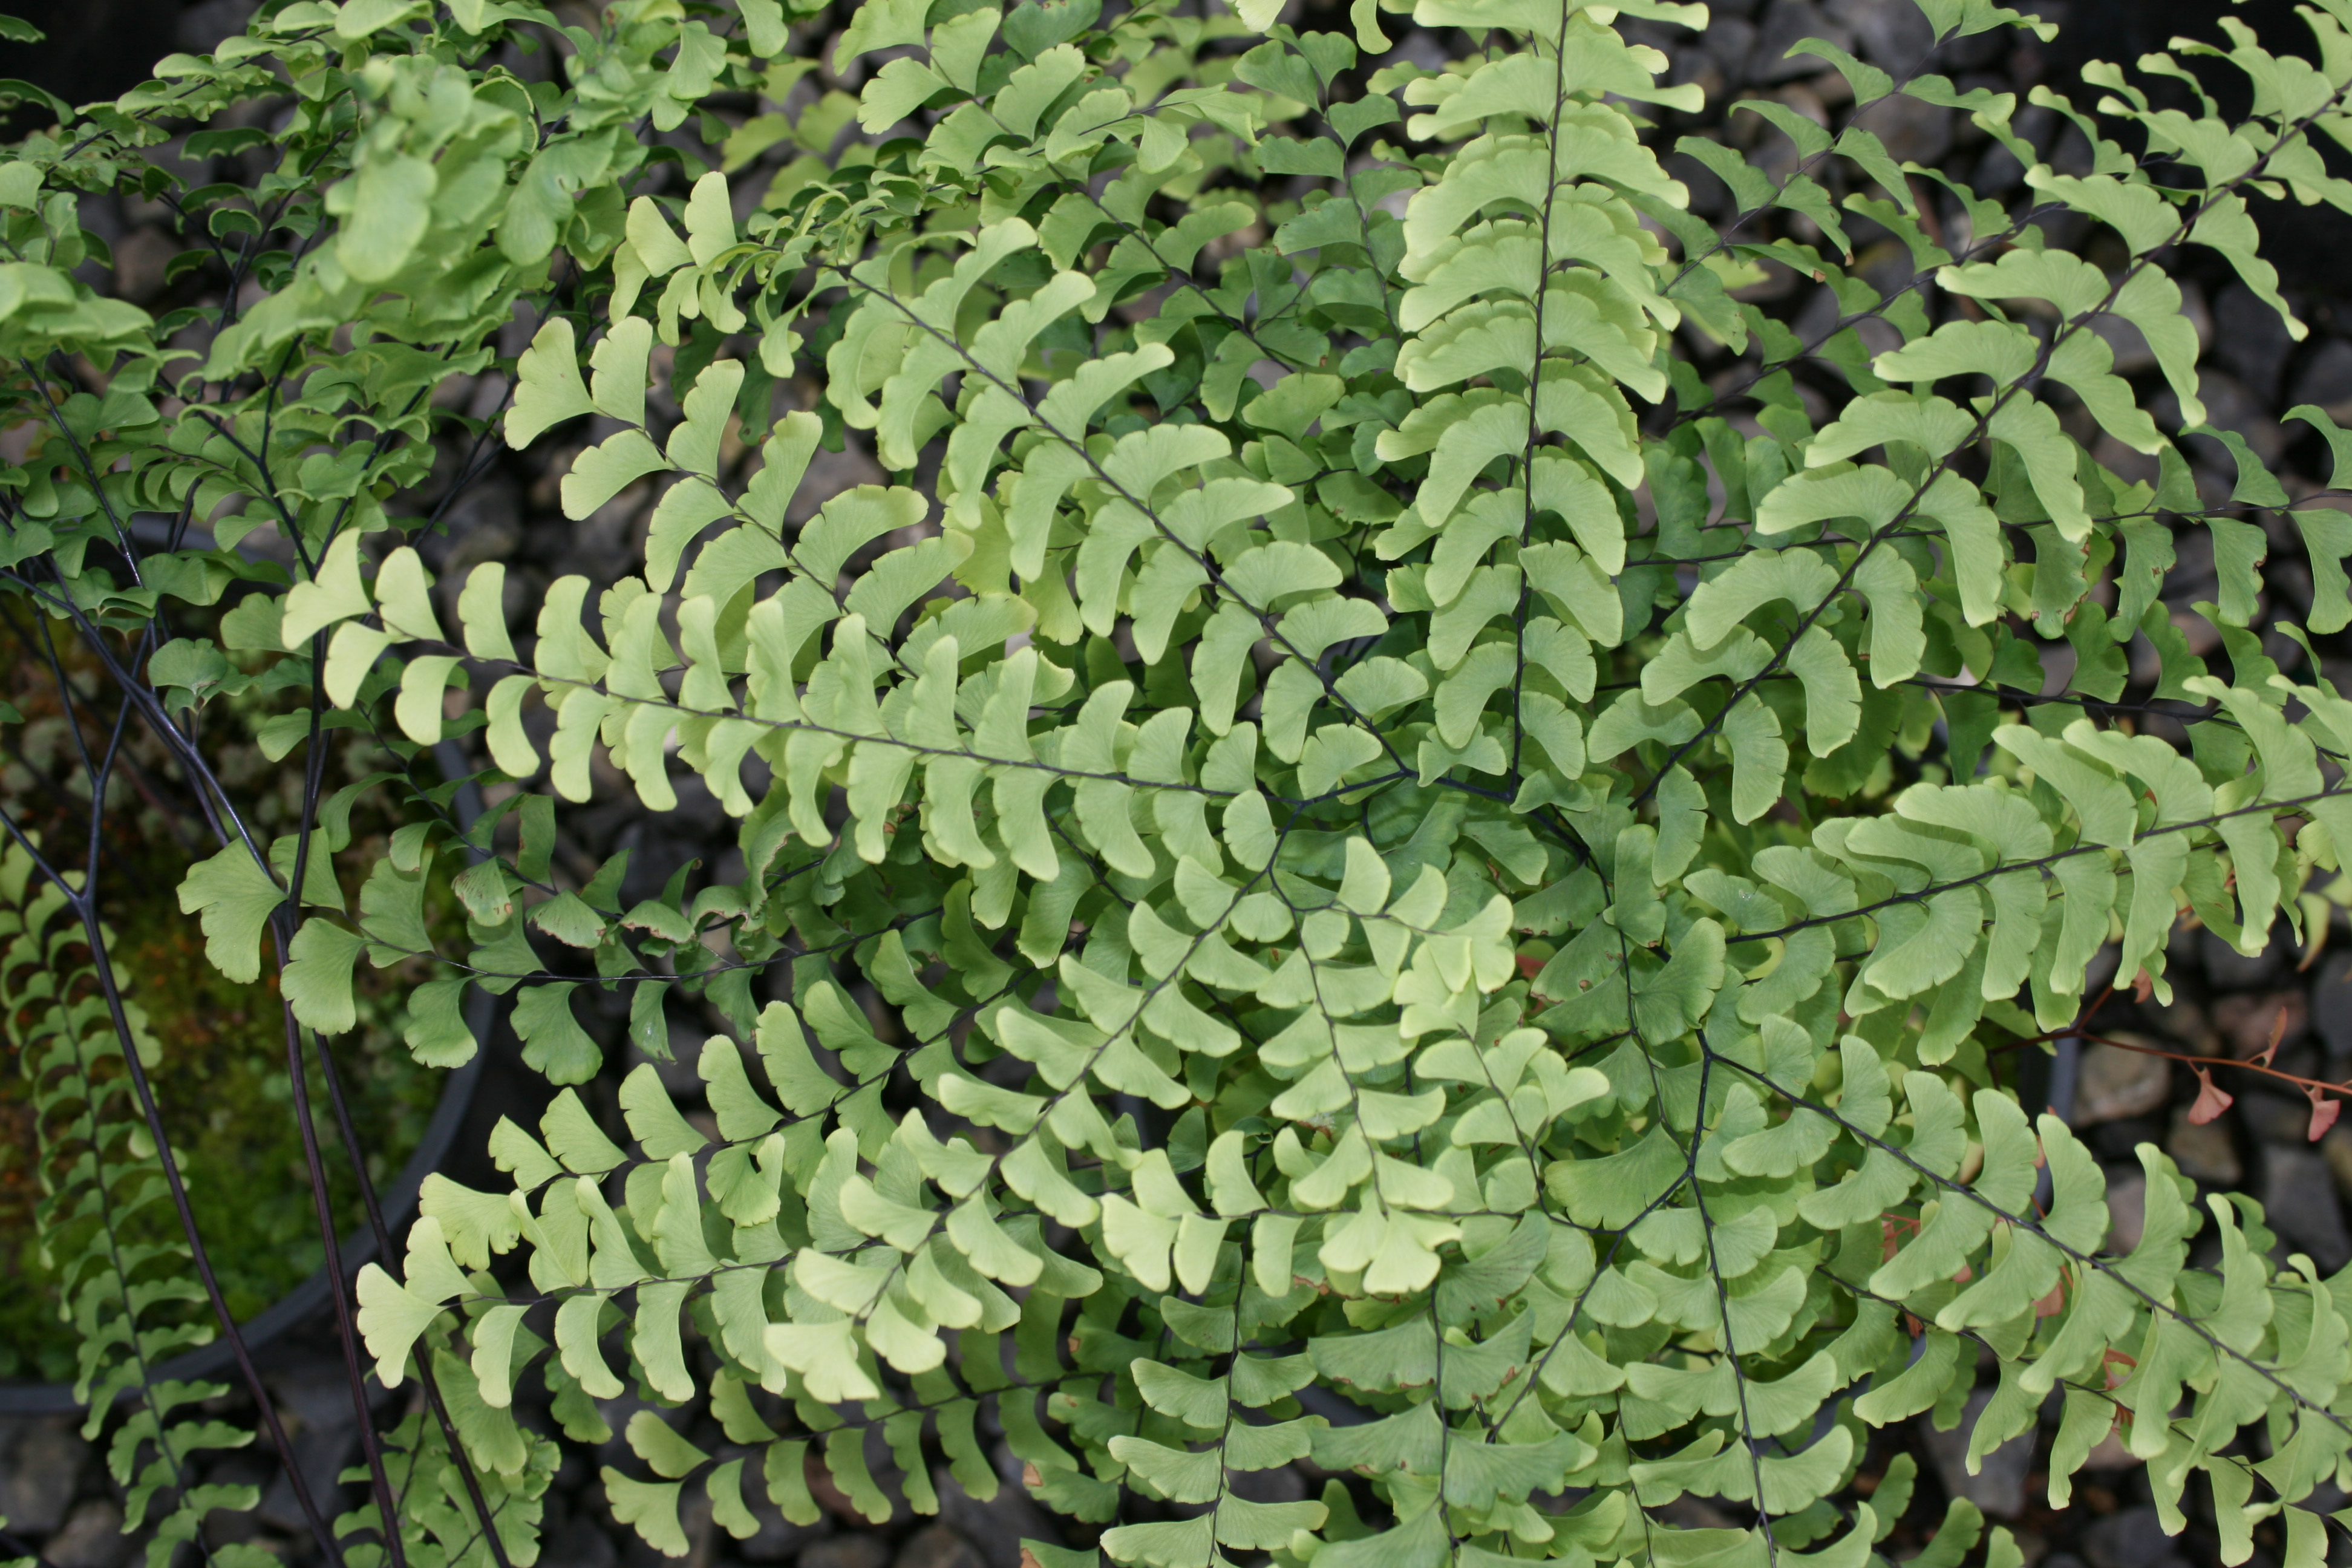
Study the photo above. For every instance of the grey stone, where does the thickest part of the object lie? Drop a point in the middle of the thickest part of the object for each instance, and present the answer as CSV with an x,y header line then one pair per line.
x,y
2249,338
2336,1148
2134,468
846,1552
313,1396
2204,1154
483,524
1784,23
829,474
998,1526
2299,1200
2230,970
1282,1483
701,1535
1817,316
2325,379
2129,1538
92,1538
937,1546
1895,37
778,1538
227,1526
2248,1022
1686,1512
579,1544
40,1459
1998,1485
2127,1209
2272,1118
2108,1454
2230,404
2117,1083
2100,972
139,261
1729,42
2131,351
1913,129
2331,1005
1695,65
204,26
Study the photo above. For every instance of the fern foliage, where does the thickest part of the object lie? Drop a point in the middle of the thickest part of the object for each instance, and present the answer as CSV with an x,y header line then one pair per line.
x,y
1452,895
126,1282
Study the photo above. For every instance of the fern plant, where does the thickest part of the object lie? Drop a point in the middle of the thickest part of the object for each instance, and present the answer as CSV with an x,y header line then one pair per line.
x,y
95,1165
1451,892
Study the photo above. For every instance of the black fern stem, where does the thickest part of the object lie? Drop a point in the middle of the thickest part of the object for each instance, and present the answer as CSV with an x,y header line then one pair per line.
x,y
281,931
154,1116
84,903
424,1375
104,1192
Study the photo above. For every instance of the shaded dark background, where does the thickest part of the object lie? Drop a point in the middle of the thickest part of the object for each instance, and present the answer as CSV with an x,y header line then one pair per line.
x,y
98,49
2309,246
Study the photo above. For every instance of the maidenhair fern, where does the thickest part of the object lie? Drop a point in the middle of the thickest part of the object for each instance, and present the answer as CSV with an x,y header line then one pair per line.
x,y
1451,892
125,1280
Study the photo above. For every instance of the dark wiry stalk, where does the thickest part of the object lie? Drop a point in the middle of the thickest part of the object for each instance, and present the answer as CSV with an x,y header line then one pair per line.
x,y
153,1115
84,904
346,1329
425,1375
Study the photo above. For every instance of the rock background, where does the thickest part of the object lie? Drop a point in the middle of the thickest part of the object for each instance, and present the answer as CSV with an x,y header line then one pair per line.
x,y
496,506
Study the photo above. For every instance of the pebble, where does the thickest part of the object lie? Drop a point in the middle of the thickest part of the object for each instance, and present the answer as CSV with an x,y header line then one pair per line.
x,y
2108,1454
39,1461
2230,404
1998,1485
2117,1083
845,1552
1913,130
2249,337
1889,36
1282,1483
2326,379
92,1538
2130,1538
997,1527
579,1544
2127,1209
2246,1022
829,474
2273,1114
2204,1154
1729,42
777,1540
2230,970
2299,1200
2337,1150
1783,24
935,1546
2331,1005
